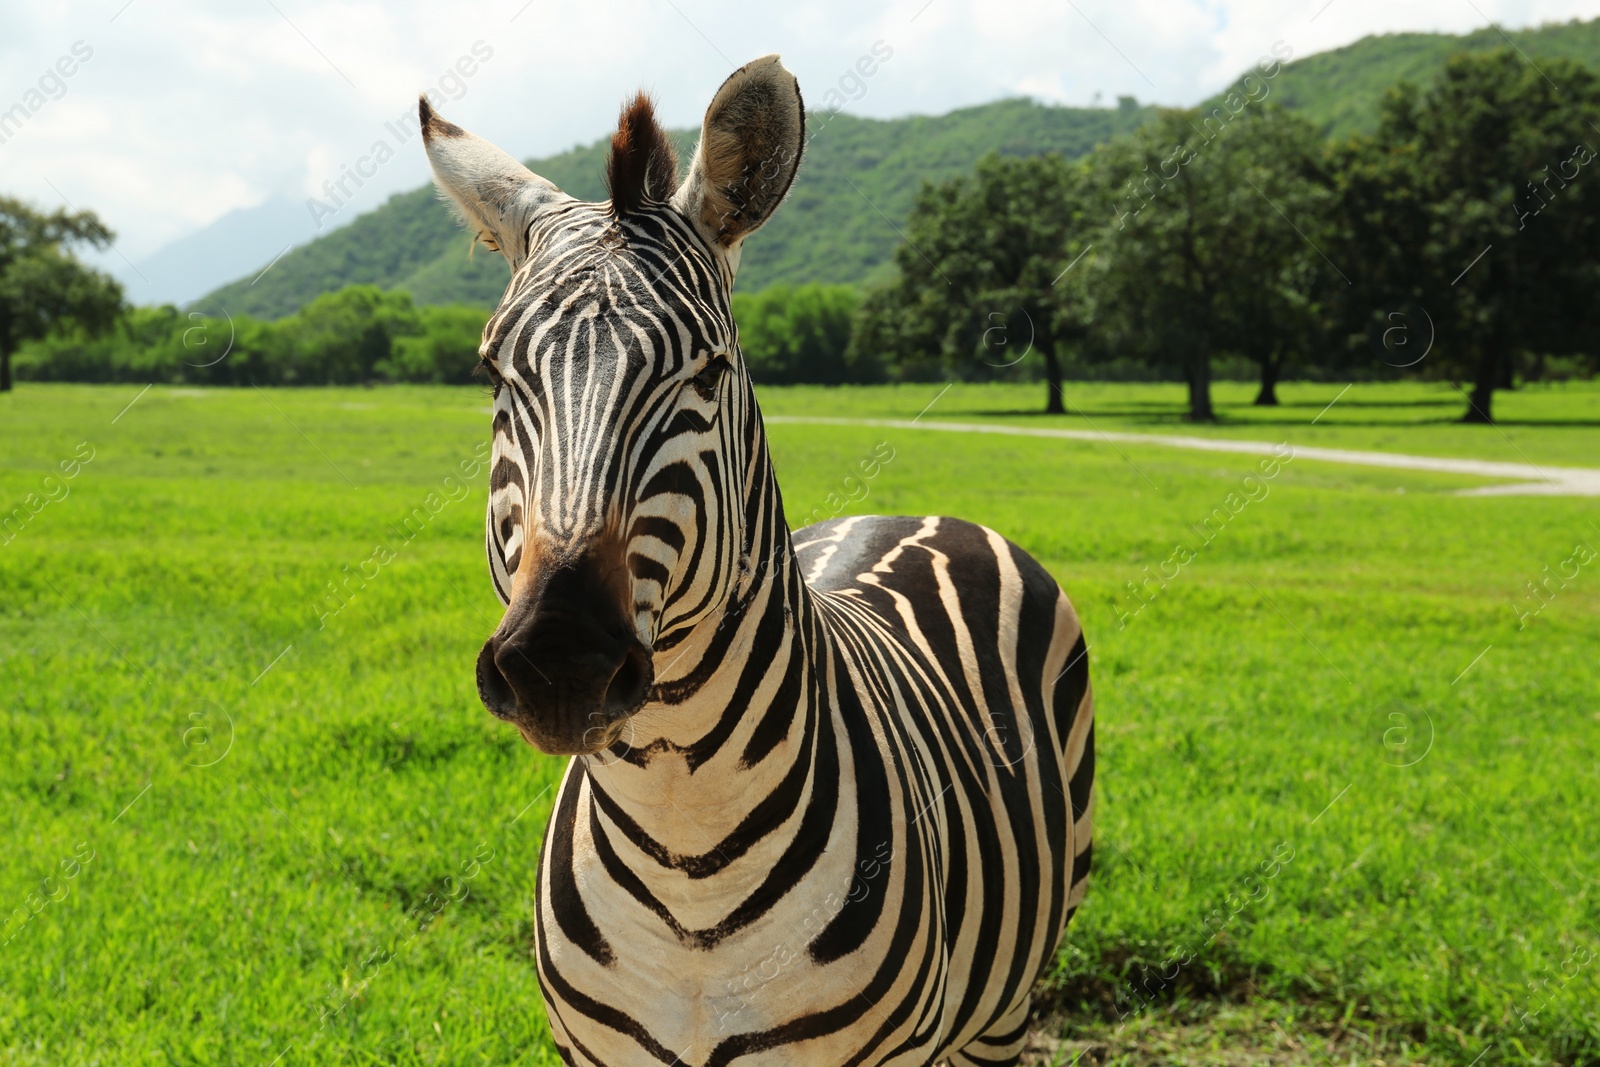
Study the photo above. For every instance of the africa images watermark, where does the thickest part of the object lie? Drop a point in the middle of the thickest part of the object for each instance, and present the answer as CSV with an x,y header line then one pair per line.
x,y
1252,89
1391,339
205,742
52,890
54,489
852,84
764,178
1549,585
752,982
1547,987
1208,928
51,86
1534,186
416,520
855,486
1254,491
1404,742
452,84
415,921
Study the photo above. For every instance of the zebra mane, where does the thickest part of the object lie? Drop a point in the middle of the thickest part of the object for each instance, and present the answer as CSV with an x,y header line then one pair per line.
x,y
643,167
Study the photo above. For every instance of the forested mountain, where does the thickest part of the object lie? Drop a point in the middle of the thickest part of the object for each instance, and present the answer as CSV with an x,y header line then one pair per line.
x,y
858,181
858,174
1340,89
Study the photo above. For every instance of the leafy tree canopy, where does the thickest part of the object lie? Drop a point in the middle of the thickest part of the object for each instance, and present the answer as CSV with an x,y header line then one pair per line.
x,y
979,271
42,285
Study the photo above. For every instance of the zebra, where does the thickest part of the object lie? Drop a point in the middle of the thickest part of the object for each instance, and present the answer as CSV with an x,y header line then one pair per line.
x,y
829,795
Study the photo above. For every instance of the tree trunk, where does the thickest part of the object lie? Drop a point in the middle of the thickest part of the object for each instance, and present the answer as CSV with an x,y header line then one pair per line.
x,y
5,369
1480,403
1200,385
1053,402
1268,396
1506,368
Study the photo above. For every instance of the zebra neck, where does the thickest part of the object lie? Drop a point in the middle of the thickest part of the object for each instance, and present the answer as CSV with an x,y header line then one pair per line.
x,y
734,718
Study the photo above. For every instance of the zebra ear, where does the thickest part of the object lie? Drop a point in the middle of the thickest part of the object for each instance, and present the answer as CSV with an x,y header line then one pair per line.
x,y
749,151
495,196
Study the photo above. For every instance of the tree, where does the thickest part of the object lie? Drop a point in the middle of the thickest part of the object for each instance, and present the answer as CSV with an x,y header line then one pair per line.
x,y
1472,203
444,350
976,287
801,333
1211,242
346,335
1273,307
42,285
353,335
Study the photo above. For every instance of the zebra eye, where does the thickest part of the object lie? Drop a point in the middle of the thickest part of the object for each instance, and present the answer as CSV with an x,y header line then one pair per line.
x,y
705,383
487,369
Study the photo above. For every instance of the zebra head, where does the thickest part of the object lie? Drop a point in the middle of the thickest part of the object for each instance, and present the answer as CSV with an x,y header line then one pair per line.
x,y
624,426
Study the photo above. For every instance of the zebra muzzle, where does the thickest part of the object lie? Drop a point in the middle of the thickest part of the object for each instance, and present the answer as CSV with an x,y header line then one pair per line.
x,y
565,667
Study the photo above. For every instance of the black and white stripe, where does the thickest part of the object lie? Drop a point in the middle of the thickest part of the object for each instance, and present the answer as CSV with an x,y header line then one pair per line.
x,y
851,817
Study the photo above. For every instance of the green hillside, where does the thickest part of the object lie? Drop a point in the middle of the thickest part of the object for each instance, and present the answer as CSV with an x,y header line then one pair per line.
x,y
826,230
1341,89
858,181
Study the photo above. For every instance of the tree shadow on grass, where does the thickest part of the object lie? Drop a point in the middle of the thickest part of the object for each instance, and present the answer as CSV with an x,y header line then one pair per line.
x,y
1153,410
1591,424
1178,417
1442,402
1168,416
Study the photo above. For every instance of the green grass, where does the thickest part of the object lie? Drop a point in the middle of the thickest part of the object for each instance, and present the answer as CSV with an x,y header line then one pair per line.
x,y
352,771
1556,423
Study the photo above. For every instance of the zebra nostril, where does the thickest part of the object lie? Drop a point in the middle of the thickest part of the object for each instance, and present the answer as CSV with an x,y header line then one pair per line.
x,y
630,684
493,689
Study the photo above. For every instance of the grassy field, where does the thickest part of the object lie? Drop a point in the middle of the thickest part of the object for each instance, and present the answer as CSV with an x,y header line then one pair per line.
x,y
1556,423
1346,796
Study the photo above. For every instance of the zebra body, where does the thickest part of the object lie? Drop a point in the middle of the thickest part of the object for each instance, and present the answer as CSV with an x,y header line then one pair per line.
x,y
948,861
831,791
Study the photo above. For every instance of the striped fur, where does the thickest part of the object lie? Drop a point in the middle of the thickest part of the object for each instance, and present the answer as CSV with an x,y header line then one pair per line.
x,y
852,817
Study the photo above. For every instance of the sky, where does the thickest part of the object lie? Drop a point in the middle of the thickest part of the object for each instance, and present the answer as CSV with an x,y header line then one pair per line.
x,y
176,112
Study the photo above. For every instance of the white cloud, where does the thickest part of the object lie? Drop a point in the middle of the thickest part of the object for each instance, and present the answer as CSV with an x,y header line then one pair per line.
x,y
189,109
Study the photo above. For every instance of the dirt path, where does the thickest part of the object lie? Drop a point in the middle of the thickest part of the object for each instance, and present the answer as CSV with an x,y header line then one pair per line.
x,y
1516,478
